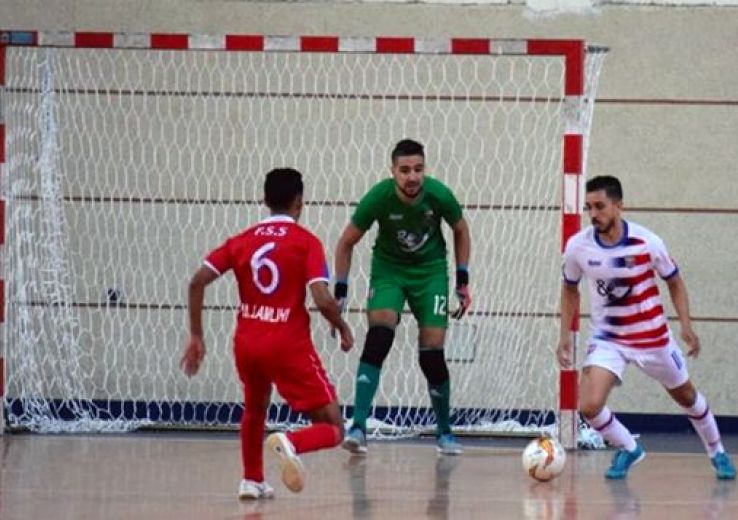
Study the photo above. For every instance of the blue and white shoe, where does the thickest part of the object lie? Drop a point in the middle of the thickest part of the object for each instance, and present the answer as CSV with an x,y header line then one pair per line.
x,y
623,460
723,466
355,441
448,445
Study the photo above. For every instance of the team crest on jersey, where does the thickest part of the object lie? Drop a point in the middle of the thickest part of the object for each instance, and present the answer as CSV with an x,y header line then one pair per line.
x,y
629,261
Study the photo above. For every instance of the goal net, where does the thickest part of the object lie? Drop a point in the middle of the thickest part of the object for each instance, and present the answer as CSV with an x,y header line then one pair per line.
x,y
125,166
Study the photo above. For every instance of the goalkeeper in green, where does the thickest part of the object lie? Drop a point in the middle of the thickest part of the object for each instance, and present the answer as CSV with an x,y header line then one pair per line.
x,y
408,264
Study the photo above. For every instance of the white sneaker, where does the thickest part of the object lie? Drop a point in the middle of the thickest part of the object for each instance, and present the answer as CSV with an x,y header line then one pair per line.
x,y
293,472
251,490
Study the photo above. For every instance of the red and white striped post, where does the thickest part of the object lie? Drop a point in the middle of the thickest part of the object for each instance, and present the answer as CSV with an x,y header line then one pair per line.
x,y
571,210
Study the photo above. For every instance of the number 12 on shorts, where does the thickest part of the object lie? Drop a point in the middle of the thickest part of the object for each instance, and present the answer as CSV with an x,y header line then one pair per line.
x,y
439,304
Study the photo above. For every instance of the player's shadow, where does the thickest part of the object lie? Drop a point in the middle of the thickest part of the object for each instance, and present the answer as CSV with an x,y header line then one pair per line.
x,y
360,503
439,502
722,494
253,509
625,503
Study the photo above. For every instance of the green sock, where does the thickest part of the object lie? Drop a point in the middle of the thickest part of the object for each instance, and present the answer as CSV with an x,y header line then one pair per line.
x,y
440,399
367,381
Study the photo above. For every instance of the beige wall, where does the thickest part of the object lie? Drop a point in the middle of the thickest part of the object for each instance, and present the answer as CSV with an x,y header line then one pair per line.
x,y
669,155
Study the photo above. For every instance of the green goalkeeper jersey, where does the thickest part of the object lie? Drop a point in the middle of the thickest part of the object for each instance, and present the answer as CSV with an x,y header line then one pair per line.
x,y
409,234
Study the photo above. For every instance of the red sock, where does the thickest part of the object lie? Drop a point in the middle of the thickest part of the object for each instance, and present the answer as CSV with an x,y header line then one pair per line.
x,y
315,437
252,438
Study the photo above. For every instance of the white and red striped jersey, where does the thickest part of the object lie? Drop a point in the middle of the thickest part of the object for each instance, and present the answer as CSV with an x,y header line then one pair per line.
x,y
624,298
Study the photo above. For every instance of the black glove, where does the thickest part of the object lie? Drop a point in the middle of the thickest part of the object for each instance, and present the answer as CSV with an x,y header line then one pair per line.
x,y
462,293
340,293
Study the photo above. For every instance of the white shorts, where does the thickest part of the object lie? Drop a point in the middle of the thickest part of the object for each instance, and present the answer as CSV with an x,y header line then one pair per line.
x,y
665,364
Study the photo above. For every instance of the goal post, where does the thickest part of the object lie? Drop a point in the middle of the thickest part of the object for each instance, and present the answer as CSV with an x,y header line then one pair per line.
x,y
126,157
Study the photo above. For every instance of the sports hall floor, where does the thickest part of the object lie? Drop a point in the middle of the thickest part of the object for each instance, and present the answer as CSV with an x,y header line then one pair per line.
x,y
195,476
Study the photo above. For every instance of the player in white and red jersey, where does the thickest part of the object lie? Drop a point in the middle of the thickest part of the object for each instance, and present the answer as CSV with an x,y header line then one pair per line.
x,y
273,262
620,260
626,307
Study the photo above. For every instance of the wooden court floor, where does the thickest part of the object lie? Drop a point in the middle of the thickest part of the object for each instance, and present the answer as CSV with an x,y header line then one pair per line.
x,y
195,476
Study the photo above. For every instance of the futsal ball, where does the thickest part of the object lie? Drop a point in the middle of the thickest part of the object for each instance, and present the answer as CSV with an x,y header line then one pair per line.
x,y
544,458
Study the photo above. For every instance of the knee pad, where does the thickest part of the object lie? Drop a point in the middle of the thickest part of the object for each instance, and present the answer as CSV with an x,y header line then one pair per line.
x,y
433,364
377,345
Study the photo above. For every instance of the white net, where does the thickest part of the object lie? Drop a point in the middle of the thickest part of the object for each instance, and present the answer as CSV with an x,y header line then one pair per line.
x,y
125,167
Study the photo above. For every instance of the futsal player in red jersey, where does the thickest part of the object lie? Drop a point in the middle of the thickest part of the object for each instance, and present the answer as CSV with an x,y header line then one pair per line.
x,y
274,261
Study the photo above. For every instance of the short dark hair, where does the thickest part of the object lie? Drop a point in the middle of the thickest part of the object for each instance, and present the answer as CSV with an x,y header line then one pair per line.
x,y
610,184
407,147
281,187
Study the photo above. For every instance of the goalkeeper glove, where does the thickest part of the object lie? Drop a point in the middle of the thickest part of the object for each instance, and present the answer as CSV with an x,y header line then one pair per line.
x,y
462,293
340,293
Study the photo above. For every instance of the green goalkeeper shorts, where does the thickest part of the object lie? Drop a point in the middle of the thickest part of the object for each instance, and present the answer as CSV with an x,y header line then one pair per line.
x,y
425,288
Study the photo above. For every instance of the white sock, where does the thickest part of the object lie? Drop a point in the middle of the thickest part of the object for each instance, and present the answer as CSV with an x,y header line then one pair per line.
x,y
612,430
703,421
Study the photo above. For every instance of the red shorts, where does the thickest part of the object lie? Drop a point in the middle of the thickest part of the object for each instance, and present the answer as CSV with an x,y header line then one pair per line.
x,y
294,368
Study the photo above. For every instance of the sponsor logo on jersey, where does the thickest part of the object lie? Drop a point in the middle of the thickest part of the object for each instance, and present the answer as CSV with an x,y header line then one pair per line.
x,y
410,241
395,216
593,262
615,289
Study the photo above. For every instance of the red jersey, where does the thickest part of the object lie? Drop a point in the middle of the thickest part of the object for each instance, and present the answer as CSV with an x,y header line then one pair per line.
x,y
273,261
